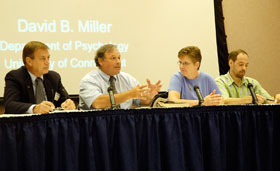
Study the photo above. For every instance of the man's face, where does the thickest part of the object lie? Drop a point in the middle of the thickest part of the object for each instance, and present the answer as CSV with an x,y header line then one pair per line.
x,y
111,65
239,66
40,64
188,68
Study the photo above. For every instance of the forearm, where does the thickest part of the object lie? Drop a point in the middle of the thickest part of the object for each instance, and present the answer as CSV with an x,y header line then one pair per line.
x,y
146,102
14,107
190,102
238,101
277,98
103,101
13,103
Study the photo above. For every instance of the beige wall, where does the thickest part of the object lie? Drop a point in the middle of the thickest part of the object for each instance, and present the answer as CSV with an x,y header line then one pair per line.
x,y
254,25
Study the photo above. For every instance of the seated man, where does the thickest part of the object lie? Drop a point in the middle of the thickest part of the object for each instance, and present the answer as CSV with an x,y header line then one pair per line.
x,y
33,88
181,88
127,91
234,84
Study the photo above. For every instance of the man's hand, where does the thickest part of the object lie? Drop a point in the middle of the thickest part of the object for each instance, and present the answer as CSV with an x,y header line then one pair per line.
x,y
44,107
138,92
153,88
261,99
277,98
68,105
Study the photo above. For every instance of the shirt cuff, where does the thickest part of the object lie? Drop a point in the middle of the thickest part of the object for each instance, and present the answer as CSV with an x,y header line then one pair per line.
x,y
30,109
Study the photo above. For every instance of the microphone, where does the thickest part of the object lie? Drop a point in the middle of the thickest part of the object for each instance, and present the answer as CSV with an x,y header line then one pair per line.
x,y
198,93
254,97
112,98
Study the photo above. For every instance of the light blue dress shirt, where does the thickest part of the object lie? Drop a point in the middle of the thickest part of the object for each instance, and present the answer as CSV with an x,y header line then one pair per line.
x,y
97,82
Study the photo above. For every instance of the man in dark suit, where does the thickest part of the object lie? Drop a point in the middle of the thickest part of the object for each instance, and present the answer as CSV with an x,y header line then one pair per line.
x,y
33,88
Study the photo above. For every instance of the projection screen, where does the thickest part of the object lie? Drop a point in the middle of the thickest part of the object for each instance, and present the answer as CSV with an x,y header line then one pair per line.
x,y
149,35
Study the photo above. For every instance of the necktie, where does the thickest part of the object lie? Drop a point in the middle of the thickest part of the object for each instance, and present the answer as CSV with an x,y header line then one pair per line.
x,y
112,84
39,90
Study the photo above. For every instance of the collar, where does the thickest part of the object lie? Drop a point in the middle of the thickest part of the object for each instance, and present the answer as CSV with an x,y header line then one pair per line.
x,y
33,77
106,77
243,81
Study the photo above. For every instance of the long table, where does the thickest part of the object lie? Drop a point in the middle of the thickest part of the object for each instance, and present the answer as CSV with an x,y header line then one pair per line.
x,y
215,138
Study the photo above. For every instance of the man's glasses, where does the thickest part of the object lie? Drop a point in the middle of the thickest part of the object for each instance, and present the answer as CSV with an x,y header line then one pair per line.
x,y
114,58
183,63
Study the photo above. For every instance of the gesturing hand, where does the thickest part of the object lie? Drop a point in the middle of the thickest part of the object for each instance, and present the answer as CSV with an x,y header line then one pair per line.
x,y
139,92
153,89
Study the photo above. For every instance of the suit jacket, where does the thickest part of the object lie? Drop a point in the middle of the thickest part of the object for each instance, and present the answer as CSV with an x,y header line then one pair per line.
x,y
19,93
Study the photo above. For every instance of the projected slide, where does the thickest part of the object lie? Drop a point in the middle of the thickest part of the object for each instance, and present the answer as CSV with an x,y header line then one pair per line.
x,y
148,34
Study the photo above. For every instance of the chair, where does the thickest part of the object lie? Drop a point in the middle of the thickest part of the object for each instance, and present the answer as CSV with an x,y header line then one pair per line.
x,y
160,101
160,97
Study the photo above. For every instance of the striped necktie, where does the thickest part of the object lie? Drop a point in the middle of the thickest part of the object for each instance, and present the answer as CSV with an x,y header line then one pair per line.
x,y
112,84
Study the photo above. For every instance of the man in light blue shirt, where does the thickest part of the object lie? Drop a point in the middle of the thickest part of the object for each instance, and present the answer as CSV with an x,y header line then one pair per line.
x,y
93,87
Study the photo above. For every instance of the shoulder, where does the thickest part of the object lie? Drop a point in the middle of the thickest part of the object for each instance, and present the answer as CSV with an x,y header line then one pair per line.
x,y
251,80
222,78
19,73
206,76
177,75
92,78
127,79
177,79
125,76
92,75
52,75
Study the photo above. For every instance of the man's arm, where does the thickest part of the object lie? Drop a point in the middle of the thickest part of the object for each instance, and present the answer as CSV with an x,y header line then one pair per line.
x,y
277,98
68,105
13,92
245,100
103,101
58,93
43,107
238,101
226,96
153,90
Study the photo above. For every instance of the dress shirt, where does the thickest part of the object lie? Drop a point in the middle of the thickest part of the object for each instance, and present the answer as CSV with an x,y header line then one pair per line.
x,y
33,78
97,82
230,89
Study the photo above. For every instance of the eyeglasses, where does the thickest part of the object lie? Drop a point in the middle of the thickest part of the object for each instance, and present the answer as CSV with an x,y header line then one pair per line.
x,y
183,63
114,58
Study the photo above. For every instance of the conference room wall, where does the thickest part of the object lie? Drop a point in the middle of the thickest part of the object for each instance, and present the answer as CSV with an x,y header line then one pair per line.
x,y
254,25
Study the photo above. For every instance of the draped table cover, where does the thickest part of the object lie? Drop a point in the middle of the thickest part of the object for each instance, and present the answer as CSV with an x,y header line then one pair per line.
x,y
219,138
